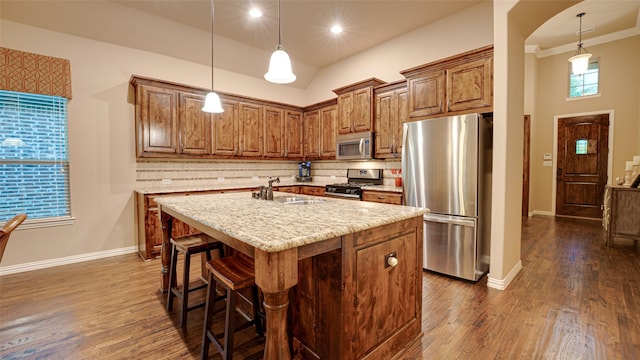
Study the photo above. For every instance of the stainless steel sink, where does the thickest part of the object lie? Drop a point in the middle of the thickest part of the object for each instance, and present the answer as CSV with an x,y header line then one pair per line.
x,y
296,200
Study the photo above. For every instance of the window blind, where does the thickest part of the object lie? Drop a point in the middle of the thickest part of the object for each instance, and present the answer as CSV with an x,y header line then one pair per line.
x,y
34,160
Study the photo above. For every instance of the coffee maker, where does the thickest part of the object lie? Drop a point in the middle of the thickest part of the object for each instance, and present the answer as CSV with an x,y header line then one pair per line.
x,y
304,171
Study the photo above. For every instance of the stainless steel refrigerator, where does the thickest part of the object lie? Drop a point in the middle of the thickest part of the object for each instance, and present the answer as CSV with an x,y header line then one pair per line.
x,y
446,167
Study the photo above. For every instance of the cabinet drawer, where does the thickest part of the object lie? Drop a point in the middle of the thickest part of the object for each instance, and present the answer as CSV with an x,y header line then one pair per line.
x,y
312,190
382,197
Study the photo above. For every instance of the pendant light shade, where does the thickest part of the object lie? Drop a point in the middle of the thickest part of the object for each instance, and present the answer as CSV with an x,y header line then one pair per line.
x,y
280,64
580,61
212,101
280,68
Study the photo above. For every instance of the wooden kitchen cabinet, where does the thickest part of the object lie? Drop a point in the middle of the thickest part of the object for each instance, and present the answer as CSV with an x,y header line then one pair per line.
x,y
362,301
328,131
355,106
149,227
391,113
621,215
226,130
456,85
293,135
320,121
194,125
156,119
312,190
274,130
288,189
387,197
250,138
170,123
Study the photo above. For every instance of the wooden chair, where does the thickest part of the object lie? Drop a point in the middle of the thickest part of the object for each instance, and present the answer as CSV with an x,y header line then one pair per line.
x,y
188,245
234,273
7,229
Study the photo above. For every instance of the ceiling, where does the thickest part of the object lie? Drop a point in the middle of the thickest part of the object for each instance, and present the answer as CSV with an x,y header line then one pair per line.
x,y
305,23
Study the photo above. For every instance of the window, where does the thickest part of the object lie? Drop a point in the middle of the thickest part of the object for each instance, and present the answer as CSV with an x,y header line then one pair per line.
x,y
581,146
34,160
587,83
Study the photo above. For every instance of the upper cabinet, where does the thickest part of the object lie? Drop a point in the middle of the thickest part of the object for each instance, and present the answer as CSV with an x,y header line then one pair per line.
x,y
355,106
170,123
391,113
320,128
455,85
293,132
156,119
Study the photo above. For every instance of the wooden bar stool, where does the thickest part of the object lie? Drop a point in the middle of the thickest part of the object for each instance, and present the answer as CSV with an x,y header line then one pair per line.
x,y
188,245
234,273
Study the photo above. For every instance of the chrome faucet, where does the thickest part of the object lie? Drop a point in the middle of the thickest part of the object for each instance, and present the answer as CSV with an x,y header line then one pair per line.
x,y
270,188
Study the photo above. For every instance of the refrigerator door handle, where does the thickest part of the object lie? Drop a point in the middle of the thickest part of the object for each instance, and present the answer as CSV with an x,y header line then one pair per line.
x,y
445,219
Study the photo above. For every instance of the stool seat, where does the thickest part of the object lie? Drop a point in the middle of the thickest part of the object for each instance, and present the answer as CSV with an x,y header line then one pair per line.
x,y
188,245
234,273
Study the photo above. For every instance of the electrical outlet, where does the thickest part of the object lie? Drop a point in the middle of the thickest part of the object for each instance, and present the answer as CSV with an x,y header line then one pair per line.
x,y
166,181
221,179
333,177
254,178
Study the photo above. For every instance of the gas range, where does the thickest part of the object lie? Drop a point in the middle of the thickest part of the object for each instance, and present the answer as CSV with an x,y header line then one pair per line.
x,y
356,179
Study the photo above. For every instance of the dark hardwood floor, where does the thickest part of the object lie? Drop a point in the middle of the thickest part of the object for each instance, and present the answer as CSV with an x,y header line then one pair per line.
x,y
574,299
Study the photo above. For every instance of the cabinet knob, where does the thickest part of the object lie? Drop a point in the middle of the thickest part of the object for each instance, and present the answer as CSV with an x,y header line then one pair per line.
x,y
392,260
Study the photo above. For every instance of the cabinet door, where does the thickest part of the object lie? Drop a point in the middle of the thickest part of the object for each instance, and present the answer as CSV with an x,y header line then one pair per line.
x,y
159,120
345,108
384,124
402,111
469,86
362,110
328,124
273,132
194,125
426,94
293,135
312,135
225,130
251,129
385,294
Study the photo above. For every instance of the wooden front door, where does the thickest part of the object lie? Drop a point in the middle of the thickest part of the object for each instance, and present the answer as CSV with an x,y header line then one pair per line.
x,y
582,165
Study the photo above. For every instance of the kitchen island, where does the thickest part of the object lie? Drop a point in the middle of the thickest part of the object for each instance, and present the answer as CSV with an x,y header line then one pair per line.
x,y
349,272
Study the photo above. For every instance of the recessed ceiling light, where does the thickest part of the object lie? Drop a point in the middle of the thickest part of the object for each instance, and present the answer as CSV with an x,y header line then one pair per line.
x,y
336,29
255,12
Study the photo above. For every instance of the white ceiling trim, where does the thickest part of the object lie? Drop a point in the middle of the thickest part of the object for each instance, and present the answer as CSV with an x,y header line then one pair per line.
x,y
619,35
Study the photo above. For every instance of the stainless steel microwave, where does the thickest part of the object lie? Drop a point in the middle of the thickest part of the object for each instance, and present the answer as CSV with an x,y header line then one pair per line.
x,y
357,146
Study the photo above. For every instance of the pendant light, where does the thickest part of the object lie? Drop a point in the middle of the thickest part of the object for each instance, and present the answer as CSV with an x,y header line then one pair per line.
x,y
580,61
280,65
212,101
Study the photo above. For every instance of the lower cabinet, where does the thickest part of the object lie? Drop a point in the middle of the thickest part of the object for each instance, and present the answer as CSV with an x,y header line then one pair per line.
x,y
312,190
363,300
149,227
386,197
621,216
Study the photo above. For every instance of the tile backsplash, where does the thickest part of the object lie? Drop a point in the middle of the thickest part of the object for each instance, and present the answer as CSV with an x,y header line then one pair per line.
x,y
154,173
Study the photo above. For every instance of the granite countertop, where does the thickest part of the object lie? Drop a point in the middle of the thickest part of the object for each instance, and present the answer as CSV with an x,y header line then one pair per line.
x,y
167,189
274,226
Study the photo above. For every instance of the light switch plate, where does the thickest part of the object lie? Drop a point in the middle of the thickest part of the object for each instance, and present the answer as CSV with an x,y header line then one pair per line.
x,y
546,156
547,163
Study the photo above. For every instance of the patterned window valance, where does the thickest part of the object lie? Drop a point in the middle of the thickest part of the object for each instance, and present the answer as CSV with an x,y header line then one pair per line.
x,y
36,74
